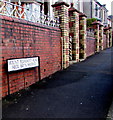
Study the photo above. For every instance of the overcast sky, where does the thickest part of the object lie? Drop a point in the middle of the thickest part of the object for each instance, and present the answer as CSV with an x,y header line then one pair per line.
x,y
108,4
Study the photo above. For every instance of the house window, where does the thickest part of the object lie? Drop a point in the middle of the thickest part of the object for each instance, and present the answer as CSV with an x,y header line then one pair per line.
x,y
46,8
32,11
28,10
96,10
8,9
100,14
104,16
76,4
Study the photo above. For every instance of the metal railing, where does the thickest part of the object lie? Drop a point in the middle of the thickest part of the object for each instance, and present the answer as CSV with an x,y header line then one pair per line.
x,y
20,12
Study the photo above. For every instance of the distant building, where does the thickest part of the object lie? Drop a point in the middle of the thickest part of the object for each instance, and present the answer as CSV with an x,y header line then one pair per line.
x,y
110,20
34,8
93,9
21,7
78,4
39,6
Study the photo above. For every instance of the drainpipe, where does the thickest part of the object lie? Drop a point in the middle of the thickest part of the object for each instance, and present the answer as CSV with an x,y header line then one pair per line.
x,y
91,8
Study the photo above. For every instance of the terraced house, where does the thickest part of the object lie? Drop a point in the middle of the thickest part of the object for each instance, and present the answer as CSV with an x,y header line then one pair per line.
x,y
94,9
40,38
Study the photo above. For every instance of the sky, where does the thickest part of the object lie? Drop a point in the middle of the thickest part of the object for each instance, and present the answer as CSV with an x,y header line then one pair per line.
x,y
108,4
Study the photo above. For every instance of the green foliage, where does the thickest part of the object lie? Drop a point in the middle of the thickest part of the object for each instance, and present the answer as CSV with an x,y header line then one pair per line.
x,y
90,21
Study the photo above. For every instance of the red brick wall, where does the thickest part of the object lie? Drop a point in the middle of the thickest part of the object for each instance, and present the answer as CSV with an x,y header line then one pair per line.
x,y
104,42
90,46
26,39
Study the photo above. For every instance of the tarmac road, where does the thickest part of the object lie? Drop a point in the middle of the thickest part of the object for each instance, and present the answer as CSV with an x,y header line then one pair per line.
x,y
84,90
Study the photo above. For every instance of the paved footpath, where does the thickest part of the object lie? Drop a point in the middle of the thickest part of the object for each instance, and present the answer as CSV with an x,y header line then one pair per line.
x,y
84,90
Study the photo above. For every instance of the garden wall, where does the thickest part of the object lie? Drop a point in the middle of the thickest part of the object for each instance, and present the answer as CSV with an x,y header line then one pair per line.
x,y
104,41
90,46
21,39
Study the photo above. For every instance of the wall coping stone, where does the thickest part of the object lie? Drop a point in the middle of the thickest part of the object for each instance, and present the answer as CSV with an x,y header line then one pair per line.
x,y
107,28
25,22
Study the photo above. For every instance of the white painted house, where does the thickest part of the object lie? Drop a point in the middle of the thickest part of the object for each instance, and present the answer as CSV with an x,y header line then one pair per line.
x,y
94,9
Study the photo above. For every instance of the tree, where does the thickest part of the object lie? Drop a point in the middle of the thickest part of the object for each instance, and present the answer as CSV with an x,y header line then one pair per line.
x,y
90,21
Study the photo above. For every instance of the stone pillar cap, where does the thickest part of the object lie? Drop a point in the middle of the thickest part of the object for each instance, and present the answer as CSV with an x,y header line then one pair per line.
x,y
82,14
97,23
72,9
60,2
107,28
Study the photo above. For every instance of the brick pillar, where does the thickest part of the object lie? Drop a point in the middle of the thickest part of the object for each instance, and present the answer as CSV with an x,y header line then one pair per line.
x,y
60,10
101,33
96,34
74,32
82,36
